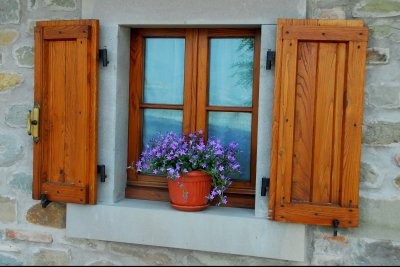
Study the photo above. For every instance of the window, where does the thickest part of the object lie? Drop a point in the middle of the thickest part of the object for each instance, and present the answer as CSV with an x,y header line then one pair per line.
x,y
187,80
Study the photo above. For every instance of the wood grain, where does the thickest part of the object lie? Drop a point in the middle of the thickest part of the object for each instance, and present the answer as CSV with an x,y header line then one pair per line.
x,y
67,32
325,33
304,121
323,127
65,159
316,149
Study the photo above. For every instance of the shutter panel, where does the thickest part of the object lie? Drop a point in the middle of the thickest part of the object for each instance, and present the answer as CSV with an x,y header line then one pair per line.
x,y
66,69
317,121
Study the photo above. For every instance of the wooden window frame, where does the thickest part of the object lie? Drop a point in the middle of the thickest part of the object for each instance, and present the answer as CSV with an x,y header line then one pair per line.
x,y
195,107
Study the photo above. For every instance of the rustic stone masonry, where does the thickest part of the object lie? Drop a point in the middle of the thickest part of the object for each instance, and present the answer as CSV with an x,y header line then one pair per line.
x,y
30,235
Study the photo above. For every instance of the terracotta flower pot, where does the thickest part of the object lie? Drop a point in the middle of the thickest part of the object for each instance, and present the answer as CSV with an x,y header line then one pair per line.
x,y
190,192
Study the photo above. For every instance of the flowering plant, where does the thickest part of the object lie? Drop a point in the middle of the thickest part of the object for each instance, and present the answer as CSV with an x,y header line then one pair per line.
x,y
173,156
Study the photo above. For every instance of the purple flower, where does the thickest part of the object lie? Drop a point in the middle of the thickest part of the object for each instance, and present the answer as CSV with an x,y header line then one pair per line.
x,y
171,154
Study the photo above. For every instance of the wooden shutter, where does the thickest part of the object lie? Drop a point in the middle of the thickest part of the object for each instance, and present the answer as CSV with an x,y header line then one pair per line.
x,y
65,157
317,121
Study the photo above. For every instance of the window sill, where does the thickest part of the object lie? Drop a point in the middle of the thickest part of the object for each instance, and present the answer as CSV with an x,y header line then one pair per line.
x,y
217,229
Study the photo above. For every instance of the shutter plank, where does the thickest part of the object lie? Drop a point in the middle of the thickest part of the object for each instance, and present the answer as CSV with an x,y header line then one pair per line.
x,y
321,181
305,103
56,100
318,214
338,122
353,124
70,122
67,32
286,132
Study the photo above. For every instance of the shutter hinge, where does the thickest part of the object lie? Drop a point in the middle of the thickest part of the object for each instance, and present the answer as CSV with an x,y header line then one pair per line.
x,y
44,201
270,59
101,169
103,56
264,186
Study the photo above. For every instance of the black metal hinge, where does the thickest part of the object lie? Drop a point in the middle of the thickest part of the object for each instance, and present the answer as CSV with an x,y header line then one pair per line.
x,y
264,186
103,56
270,59
101,169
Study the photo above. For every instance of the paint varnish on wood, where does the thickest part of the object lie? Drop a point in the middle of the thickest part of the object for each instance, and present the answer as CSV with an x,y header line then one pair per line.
x,y
318,105
65,159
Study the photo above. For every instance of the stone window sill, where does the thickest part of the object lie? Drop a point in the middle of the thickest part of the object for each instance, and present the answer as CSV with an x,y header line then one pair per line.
x,y
217,229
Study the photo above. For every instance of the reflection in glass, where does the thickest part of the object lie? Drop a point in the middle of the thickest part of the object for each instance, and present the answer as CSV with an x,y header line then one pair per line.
x,y
164,70
156,121
233,127
231,72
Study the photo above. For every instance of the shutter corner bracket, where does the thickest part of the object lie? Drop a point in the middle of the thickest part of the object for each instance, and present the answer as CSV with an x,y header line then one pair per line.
x,y
270,59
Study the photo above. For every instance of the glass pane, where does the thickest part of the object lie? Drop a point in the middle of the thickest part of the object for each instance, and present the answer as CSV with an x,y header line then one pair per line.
x,y
233,127
157,121
164,70
231,72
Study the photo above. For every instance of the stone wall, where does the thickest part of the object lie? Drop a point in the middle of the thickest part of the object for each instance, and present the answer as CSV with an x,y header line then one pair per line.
x,y
380,168
30,235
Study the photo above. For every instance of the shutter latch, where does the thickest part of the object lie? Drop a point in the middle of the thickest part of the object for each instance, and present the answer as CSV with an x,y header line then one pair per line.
x,y
270,59
44,201
264,186
335,227
101,169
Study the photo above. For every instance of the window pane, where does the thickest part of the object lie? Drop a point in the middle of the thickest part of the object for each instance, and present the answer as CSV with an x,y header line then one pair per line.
x,y
231,72
157,121
164,70
233,127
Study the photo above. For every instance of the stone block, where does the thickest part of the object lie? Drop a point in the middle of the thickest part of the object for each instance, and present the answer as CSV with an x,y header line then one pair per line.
x,y
9,261
21,182
10,150
33,4
67,5
332,13
8,36
49,257
52,216
381,133
16,115
25,235
378,56
385,96
10,80
102,263
9,248
377,9
380,253
369,177
8,210
24,56
396,182
397,159
153,256
10,12
380,213
385,31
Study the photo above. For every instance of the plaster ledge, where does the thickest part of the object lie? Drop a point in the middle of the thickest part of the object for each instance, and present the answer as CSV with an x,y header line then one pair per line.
x,y
223,230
